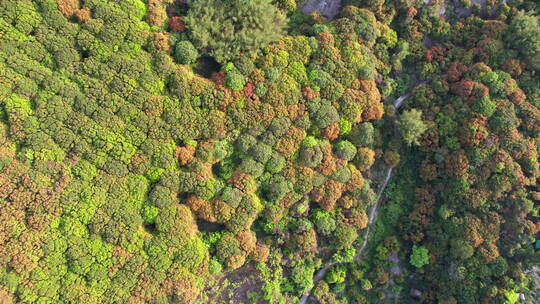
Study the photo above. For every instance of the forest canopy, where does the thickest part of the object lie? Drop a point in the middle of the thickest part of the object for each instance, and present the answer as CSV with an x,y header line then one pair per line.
x,y
256,151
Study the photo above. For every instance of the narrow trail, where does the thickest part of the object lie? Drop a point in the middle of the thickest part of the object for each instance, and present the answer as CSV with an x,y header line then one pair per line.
x,y
372,215
372,212
399,101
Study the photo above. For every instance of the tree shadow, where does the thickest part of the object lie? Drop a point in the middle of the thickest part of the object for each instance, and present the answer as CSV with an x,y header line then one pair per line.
x,y
206,66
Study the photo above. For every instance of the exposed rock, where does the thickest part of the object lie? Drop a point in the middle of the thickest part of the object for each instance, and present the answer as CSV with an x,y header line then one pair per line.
x,y
328,8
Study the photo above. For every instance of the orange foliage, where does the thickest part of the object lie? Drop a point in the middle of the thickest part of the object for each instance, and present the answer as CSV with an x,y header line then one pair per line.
x,y
480,90
462,88
306,242
347,202
202,208
161,42
476,197
327,196
358,219
67,7
488,252
290,142
436,53
423,209
473,226
330,163
513,67
218,78
370,88
457,164
184,288
430,139
331,132
185,154
244,182
494,28
474,130
356,181
365,158
309,93
428,170
247,241
295,110
176,24
518,97
236,261
261,253
156,14
249,93
6,297
83,14
455,70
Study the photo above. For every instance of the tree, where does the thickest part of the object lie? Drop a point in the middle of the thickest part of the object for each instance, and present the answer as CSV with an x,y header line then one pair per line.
x,y
224,29
185,52
524,35
419,256
460,249
345,235
345,150
411,126
336,274
234,80
485,106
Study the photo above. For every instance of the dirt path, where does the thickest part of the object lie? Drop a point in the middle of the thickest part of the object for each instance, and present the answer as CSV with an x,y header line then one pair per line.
x,y
372,212
399,101
372,215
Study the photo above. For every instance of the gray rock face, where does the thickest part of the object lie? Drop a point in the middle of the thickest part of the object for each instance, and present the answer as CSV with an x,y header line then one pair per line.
x,y
327,8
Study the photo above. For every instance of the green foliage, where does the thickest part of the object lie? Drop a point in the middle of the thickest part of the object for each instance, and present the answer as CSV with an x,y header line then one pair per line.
x,y
149,213
126,177
485,106
185,52
419,256
192,254
325,225
362,135
411,126
272,275
310,156
234,80
336,275
215,267
345,150
524,35
460,249
345,235
226,29
345,126
302,276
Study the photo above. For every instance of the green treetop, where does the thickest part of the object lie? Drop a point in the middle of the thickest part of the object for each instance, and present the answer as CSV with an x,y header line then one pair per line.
x,y
419,256
411,126
224,29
